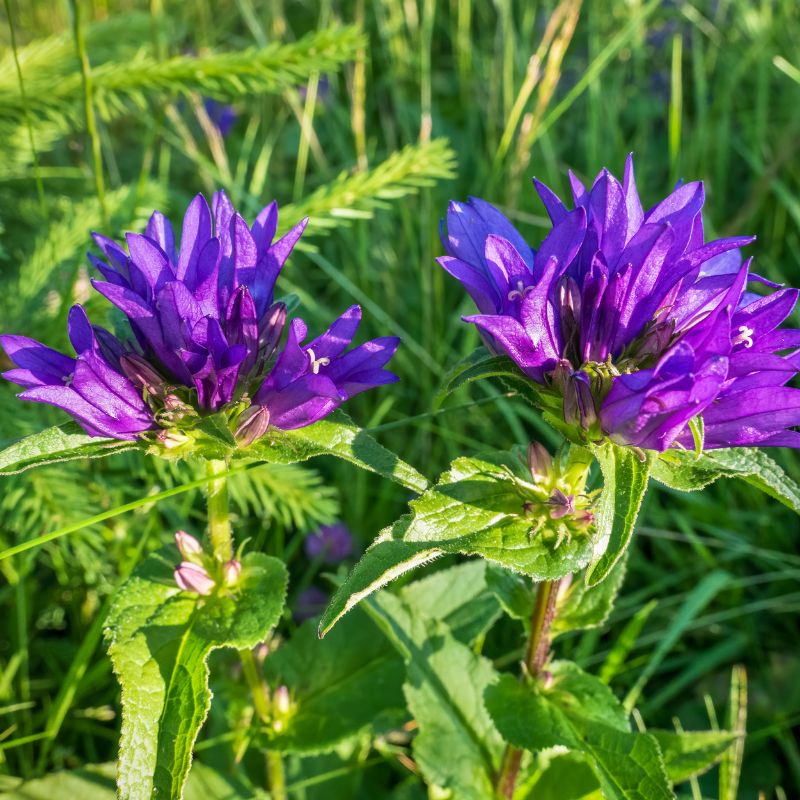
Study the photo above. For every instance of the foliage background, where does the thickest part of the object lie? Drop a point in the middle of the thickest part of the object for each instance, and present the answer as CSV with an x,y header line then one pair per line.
x,y
705,90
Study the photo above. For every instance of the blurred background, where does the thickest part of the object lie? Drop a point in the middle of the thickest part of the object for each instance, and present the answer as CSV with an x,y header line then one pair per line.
x,y
370,116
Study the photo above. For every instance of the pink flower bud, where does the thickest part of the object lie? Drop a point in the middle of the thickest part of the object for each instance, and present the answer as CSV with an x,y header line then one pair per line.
x,y
548,680
187,546
539,461
252,425
193,578
172,438
282,700
232,570
141,374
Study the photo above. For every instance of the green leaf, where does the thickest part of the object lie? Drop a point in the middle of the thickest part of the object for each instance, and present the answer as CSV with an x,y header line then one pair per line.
x,y
584,606
458,596
96,782
566,777
581,713
387,558
625,477
60,443
457,748
515,593
691,753
337,687
476,366
683,471
475,509
338,436
160,639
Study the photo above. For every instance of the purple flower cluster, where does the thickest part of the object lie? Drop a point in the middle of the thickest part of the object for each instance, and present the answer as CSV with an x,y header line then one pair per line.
x,y
206,334
634,321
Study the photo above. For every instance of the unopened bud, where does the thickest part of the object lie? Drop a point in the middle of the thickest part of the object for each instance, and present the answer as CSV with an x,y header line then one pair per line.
x,y
579,408
172,438
539,462
232,570
252,424
188,546
548,680
562,505
142,374
193,578
271,326
282,701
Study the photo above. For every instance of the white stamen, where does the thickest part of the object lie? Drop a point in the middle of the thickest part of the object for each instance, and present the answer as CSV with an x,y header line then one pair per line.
x,y
745,336
67,379
316,363
520,292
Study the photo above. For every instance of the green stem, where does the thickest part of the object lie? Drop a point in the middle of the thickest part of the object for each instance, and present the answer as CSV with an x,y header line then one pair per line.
x,y
261,701
536,656
88,107
219,520
219,531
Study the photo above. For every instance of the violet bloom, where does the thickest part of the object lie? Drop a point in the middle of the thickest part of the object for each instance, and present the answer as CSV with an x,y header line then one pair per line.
x,y
206,331
332,543
629,320
222,115
310,603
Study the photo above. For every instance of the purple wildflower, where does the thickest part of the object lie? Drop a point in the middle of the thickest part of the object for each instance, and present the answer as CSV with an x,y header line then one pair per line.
x,y
332,543
206,336
631,318
222,115
310,603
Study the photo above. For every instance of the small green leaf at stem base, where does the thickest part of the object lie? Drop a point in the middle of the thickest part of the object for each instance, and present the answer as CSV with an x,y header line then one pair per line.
x,y
159,642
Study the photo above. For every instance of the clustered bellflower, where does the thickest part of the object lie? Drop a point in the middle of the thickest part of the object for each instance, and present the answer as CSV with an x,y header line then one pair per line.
x,y
205,337
630,319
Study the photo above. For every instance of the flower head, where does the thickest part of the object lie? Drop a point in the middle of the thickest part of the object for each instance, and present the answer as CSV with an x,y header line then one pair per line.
x,y
630,318
205,336
332,543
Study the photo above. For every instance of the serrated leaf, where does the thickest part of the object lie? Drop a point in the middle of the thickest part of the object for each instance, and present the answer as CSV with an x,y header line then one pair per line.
x,y
477,365
61,443
691,753
337,686
457,748
625,478
475,509
458,596
159,642
685,472
581,714
337,436
584,606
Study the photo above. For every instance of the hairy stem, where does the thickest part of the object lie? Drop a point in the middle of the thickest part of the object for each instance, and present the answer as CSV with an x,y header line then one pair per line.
x,y
219,521
536,655
221,535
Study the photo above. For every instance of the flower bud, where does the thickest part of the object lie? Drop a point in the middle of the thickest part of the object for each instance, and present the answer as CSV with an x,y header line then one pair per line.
x,y
562,505
282,701
547,680
171,439
141,374
539,462
193,578
579,407
232,570
188,546
252,424
271,326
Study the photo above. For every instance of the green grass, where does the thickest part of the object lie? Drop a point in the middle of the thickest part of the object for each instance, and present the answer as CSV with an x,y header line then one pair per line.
x,y
696,90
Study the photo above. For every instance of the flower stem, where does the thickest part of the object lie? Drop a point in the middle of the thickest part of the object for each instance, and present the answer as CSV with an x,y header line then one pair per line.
x,y
219,521
536,655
